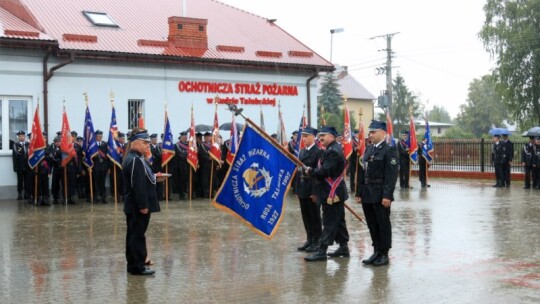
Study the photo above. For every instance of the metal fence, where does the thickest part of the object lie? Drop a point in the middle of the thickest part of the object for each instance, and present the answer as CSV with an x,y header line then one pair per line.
x,y
471,155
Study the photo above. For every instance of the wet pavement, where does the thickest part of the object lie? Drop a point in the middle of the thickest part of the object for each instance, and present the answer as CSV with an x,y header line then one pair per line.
x,y
460,241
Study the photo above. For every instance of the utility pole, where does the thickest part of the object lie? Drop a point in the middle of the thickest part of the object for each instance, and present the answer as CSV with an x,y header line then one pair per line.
x,y
386,100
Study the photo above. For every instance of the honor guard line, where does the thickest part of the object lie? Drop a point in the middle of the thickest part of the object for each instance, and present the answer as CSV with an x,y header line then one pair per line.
x,y
238,111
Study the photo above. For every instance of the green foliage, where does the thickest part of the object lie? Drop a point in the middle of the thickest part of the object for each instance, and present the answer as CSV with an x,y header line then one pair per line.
x,y
456,132
483,107
330,95
439,114
404,101
337,121
510,34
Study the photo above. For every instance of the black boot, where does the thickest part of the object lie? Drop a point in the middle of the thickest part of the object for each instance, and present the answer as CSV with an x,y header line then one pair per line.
x,y
71,201
382,259
19,197
304,246
104,200
314,246
319,256
343,251
372,258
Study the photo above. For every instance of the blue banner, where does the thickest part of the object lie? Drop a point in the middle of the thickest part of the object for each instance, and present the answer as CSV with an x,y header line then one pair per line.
x,y
89,146
113,151
427,147
256,184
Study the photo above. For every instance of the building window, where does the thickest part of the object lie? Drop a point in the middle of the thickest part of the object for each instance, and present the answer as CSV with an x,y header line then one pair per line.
x,y
15,109
201,28
136,111
100,19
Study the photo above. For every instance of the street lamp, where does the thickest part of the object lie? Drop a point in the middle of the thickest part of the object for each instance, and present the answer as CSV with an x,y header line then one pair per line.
x,y
332,32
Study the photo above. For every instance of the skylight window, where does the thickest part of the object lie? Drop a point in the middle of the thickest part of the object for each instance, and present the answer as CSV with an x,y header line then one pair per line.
x,y
100,19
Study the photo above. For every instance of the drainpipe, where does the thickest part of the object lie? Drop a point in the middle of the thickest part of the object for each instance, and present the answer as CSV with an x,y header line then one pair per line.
x,y
315,75
48,74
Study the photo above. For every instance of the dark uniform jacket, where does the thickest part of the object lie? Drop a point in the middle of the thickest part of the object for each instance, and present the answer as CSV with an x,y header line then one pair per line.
x,y
536,156
508,148
139,184
331,164
306,185
380,174
527,154
403,150
498,153
20,156
101,161
156,154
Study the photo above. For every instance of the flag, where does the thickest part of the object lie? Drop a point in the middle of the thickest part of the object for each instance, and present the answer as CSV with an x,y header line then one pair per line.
x,y
390,131
361,148
36,149
234,142
299,142
168,143
427,147
89,147
193,158
140,122
281,134
262,120
66,143
257,182
347,134
412,142
113,152
215,148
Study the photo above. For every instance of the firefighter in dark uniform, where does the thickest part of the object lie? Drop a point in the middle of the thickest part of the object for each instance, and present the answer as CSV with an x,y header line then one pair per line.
x,y
73,169
140,200
331,195
305,190
508,147
43,170
536,162
121,151
182,167
155,149
527,162
82,179
353,161
376,192
423,165
404,160
55,155
205,165
20,164
101,168
497,159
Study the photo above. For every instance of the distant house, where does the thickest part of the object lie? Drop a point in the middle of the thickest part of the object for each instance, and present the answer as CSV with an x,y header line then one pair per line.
x,y
437,128
358,97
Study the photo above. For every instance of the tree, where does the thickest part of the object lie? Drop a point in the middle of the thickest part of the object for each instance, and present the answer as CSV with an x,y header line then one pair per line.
x,y
330,95
439,114
483,108
510,34
404,100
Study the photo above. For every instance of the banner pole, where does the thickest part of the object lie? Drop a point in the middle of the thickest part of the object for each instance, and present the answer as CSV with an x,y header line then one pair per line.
x,y
237,112
115,192
91,185
211,177
36,186
167,186
190,183
65,186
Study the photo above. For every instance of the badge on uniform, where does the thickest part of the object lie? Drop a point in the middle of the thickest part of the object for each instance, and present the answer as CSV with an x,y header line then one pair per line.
x,y
393,162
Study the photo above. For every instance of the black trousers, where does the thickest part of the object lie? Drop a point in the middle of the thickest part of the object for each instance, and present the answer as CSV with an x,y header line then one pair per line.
x,y
506,174
21,181
334,226
404,168
499,174
136,253
56,184
99,183
43,185
422,171
311,216
378,222
529,171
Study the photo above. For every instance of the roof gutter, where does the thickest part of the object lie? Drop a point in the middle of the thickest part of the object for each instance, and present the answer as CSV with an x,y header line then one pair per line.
x,y
47,75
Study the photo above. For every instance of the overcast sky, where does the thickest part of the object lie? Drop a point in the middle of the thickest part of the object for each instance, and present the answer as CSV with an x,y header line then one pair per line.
x,y
437,50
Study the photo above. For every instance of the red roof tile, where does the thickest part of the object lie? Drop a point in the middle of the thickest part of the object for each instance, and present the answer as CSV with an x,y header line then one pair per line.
x,y
143,29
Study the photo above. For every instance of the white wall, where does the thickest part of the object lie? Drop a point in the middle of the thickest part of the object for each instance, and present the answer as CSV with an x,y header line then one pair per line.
x,y
155,83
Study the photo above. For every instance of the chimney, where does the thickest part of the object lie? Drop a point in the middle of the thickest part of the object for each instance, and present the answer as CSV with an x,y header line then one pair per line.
x,y
185,32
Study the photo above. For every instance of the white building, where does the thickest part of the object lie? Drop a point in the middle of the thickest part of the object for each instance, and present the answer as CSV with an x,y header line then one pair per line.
x,y
54,51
